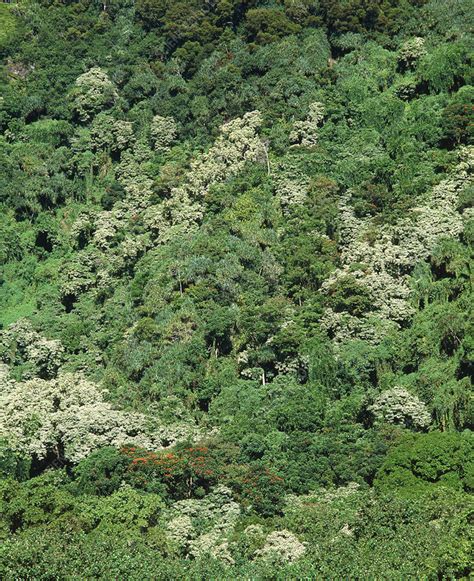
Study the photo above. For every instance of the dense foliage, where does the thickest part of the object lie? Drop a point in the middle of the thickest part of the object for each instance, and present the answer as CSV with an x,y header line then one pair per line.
x,y
236,289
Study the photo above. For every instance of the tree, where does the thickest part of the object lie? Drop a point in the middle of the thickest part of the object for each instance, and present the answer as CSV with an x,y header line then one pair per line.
x,y
411,51
366,16
110,134
281,547
458,117
102,472
184,472
421,461
268,24
163,132
400,407
93,92
21,345
305,133
64,418
446,66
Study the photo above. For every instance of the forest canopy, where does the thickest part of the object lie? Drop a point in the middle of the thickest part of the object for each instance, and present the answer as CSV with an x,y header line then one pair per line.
x,y
236,289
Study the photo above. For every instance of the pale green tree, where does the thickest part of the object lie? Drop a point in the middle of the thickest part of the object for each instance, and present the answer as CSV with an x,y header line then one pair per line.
x,y
93,92
398,406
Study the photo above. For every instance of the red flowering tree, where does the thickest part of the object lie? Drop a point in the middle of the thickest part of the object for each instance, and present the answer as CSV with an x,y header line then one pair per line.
x,y
184,472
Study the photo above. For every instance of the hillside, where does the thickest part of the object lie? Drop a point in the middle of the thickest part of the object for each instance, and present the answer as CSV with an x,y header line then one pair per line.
x,y
236,289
